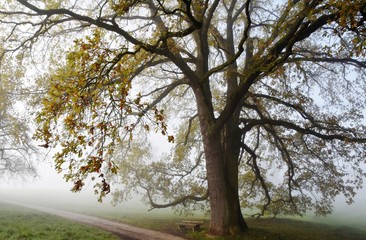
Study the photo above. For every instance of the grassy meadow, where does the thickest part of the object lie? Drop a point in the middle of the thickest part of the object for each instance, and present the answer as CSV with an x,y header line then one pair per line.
x,y
290,229
21,223
261,229
18,223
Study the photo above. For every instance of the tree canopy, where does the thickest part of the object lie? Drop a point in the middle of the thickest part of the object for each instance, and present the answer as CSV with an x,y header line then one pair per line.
x,y
262,102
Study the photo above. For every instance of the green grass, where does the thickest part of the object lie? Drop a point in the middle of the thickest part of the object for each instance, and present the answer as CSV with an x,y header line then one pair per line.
x,y
332,228
18,223
262,229
290,229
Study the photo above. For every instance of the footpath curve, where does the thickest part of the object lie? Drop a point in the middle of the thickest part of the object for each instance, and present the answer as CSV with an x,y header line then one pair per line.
x,y
124,231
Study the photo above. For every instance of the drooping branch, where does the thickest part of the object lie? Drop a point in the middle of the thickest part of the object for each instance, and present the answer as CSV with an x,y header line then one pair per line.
x,y
255,168
347,135
176,202
325,59
278,142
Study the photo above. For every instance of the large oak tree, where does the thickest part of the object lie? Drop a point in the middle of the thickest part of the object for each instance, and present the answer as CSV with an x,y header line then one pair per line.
x,y
267,98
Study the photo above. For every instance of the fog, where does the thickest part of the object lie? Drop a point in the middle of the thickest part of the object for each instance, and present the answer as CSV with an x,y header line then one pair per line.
x,y
50,190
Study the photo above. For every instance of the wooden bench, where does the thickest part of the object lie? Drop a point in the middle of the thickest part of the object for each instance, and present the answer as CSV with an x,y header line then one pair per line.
x,y
193,225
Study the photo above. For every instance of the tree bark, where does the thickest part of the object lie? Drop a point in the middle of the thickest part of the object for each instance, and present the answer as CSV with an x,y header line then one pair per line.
x,y
222,152
222,176
221,147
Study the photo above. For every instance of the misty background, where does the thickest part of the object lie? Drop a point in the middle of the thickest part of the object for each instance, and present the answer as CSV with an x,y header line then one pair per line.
x,y
49,189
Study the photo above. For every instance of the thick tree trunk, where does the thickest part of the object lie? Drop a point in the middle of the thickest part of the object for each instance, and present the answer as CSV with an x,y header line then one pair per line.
x,y
222,147
222,151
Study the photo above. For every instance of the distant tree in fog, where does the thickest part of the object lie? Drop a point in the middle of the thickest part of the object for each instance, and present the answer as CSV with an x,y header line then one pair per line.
x,y
17,154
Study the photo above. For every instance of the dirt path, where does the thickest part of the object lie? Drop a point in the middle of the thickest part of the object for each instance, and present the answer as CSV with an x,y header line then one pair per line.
x,y
124,231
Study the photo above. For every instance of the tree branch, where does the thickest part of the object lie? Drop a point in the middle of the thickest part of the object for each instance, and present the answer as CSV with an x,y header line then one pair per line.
x,y
250,123
181,200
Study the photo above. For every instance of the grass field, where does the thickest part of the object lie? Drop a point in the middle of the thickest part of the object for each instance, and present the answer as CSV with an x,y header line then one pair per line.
x,y
262,229
21,223
18,223
289,229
